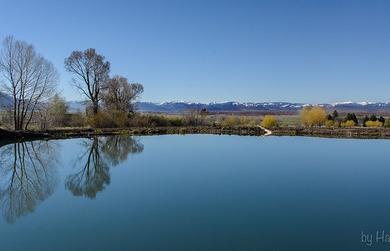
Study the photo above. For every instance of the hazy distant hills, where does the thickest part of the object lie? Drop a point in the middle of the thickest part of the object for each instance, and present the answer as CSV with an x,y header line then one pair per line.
x,y
5,100
181,106
242,107
249,107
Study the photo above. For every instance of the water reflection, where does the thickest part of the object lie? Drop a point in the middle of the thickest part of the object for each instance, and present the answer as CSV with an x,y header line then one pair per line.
x,y
28,176
117,149
29,171
92,166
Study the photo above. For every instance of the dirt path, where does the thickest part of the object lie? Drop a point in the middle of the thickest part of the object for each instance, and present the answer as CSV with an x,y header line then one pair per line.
x,y
267,132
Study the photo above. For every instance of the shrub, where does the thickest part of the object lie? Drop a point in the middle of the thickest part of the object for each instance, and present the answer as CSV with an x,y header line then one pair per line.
x,y
99,120
269,121
248,121
156,120
195,117
111,119
139,120
373,117
329,123
348,123
145,120
176,121
387,123
230,121
76,119
374,123
119,118
313,116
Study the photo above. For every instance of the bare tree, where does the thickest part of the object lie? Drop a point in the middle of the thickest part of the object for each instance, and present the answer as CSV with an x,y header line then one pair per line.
x,y
27,77
93,175
28,176
120,95
94,163
117,148
196,116
91,72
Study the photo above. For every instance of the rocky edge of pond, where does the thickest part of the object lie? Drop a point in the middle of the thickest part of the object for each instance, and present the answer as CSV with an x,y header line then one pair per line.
x,y
87,132
355,132
352,132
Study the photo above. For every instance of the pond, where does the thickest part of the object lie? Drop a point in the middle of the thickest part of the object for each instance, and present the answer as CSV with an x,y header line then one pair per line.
x,y
195,192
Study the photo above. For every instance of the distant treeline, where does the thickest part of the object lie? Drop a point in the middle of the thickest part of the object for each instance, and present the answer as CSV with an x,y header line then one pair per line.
x,y
317,116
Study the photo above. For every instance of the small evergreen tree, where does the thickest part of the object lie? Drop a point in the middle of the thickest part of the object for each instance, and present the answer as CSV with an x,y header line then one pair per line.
x,y
365,120
335,114
381,119
351,116
329,117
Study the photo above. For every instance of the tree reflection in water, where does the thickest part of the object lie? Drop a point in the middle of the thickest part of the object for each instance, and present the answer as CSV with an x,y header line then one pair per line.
x,y
118,148
28,176
99,155
28,171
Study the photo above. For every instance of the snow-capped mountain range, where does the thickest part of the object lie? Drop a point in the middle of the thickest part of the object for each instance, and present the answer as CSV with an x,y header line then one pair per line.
x,y
182,106
282,107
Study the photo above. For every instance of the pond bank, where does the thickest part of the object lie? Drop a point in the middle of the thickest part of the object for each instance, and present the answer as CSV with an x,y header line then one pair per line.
x,y
88,132
353,132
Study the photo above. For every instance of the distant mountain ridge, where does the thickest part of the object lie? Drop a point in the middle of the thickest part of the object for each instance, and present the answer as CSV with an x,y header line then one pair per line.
x,y
5,100
283,107
181,106
244,107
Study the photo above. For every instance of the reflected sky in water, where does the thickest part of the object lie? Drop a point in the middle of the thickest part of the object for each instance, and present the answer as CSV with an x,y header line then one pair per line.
x,y
194,192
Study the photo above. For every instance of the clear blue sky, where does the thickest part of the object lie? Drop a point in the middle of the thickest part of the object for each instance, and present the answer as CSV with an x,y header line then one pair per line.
x,y
305,51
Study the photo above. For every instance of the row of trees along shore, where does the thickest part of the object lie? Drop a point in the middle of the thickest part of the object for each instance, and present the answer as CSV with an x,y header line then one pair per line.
x,y
31,81
317,116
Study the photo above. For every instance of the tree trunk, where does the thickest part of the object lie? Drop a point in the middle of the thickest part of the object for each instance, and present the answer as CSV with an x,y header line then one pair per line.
x,y
95,107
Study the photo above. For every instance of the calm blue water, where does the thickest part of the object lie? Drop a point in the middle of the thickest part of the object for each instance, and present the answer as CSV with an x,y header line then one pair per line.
x,y
197,192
